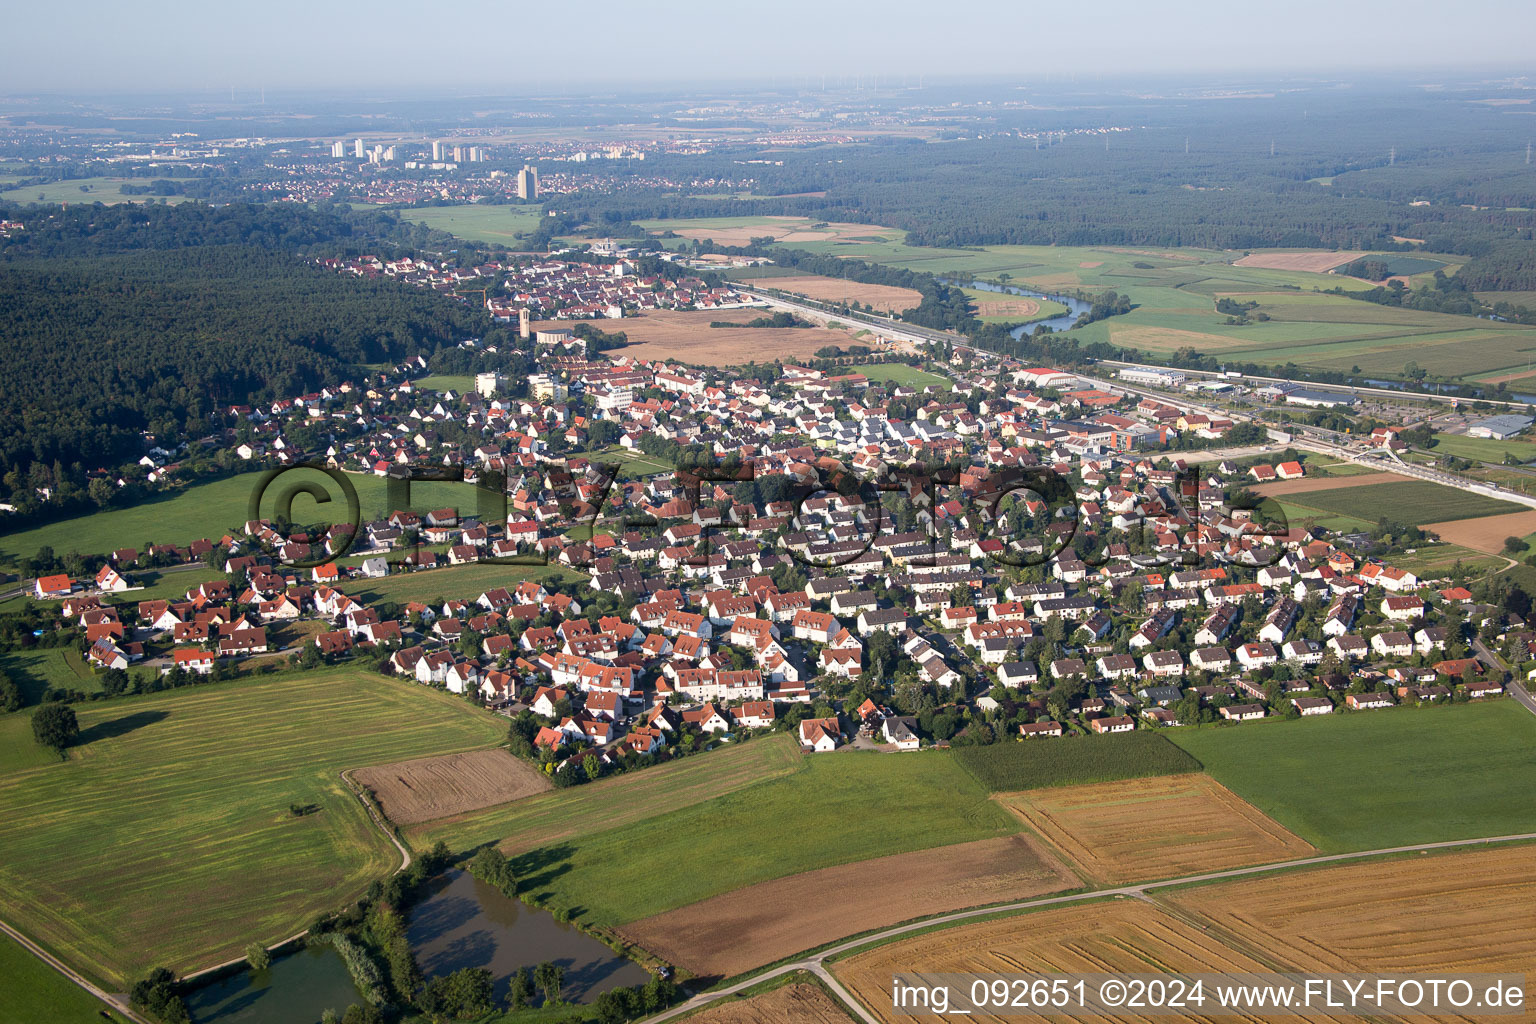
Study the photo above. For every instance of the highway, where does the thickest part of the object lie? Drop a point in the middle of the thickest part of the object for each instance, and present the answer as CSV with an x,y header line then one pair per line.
x,y
816,963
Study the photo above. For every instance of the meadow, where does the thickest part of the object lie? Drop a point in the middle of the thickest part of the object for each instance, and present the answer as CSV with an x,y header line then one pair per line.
x,y
835,809
1175,291
219,507
83,190
481,222
1032,764
38,669
1412,502
31,992
1377,779
1485,449
166,837
551,817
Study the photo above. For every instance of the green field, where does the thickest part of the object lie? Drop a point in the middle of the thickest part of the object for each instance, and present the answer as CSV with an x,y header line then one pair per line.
x,y
1069,761
901,375
552,816
1411,502
166,837
84,190
1485,449
36,670
211,510
31,992
456,581
1175,292
833,809
1384,778
458,383
497,225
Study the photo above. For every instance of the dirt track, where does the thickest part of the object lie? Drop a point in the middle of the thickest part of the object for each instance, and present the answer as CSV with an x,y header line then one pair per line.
x,y
435,787
737,931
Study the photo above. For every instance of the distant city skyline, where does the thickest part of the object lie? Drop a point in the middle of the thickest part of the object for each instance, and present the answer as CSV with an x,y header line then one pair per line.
x,y
479,45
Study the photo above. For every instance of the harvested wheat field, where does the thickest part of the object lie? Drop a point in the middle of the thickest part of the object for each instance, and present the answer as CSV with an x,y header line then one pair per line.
x,y
685,335
837,289
1308,484
1123,935
1486,533
1008,305
1168,339
733,231
1144,829
793,1004
411,792
736,931
1314,261
1468,911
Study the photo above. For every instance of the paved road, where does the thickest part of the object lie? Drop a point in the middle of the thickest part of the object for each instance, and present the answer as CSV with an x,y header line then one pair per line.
x,y
815,963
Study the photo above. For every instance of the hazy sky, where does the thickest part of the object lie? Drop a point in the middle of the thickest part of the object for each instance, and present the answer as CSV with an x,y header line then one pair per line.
x,y
392,47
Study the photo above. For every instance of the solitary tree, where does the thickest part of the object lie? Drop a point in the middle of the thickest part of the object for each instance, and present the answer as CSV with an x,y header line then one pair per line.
x,y
257,956
54,725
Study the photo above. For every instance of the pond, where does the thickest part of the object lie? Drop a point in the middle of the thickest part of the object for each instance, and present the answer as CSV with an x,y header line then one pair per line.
x,y
296,989
463,922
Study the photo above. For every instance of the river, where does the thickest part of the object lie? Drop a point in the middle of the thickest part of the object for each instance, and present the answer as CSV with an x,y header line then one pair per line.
x,y
1075,307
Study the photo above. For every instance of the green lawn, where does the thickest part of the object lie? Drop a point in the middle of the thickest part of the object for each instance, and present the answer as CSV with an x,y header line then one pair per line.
x,y
166,837
1376,779
31,992
1412,502
901,374
838,809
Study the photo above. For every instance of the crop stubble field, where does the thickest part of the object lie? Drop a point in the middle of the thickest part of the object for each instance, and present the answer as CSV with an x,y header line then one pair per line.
x,y
737,931
885,298
411,792
685,335
796,1003
1145,829
1120,936
166,837
1430,914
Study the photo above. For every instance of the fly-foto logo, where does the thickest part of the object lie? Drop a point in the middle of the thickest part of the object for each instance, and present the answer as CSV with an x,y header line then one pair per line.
x,y
1017,517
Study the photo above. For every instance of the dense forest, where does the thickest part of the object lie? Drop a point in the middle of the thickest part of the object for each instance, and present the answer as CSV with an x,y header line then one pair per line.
x,y
94,351
98,230
1350,169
